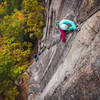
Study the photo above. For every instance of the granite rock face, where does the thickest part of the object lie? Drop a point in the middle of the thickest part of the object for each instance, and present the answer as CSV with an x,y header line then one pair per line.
x,y
78,76
71,70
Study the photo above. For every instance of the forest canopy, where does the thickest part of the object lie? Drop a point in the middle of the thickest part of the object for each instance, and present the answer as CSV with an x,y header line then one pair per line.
x,y
21,24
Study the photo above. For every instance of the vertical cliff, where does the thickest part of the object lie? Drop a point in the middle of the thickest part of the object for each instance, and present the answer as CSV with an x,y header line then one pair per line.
x,y
71,70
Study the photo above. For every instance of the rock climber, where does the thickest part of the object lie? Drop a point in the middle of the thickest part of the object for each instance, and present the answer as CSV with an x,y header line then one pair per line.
x,y
35,56
65,26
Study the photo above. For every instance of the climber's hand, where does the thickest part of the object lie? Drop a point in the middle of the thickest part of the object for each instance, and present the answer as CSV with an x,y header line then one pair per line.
x,y
78,29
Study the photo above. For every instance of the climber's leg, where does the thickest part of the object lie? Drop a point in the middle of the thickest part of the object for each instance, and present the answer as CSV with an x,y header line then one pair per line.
x,y
62,35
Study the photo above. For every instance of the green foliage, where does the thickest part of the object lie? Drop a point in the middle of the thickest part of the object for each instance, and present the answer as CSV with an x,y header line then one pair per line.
x,y
13,4
18,31
13,26
13,56
2,10
33,18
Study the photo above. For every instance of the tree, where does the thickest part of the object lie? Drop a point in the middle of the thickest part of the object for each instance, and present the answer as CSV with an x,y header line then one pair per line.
x,y
33,18
18,32
2,9
14,54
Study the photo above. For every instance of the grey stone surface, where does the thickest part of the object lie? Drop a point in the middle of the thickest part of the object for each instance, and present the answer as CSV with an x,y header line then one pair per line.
x,y
79,49
57,67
